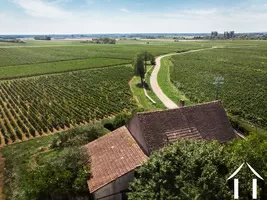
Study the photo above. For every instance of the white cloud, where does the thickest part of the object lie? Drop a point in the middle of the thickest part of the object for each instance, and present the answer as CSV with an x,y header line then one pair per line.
x,y
90,1
59,2
41,9
124,10
193,20
200,12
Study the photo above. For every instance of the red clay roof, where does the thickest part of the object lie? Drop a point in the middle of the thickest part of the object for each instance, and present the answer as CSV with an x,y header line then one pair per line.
x,y
206,121
112,156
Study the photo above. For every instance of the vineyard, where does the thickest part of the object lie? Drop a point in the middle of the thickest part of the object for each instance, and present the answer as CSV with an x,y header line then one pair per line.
x,y
56,67
245,79
36,60
37,106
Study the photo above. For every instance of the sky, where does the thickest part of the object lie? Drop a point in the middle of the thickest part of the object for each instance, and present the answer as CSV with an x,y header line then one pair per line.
x,y
131,16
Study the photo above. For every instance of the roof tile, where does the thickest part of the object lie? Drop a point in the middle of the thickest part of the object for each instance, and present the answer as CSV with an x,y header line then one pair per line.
x,y
112,156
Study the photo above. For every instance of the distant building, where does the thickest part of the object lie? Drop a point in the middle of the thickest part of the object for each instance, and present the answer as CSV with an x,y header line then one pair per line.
x,y
115,156
214,34
232,34
228,35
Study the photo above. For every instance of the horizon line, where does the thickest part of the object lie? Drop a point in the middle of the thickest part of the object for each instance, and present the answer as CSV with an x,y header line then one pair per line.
x,y
126,33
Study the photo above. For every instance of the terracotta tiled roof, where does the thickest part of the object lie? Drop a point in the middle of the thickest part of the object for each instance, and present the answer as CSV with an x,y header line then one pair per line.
x,y
112,156
204,121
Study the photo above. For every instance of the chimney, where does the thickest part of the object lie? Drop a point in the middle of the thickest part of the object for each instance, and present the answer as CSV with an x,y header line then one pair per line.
x,y
181,104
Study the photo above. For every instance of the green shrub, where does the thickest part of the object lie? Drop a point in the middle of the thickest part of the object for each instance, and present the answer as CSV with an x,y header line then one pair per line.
x,y
200,169
121,119
78,136
61,177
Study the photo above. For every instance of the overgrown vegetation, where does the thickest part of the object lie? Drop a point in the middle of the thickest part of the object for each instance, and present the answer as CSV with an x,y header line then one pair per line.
x,y
62,177
77,136
199,170
50,168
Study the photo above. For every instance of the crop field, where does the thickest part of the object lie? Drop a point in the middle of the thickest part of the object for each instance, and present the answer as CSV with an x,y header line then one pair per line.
x,y
78,83
37,106
245,79
33,59
10,72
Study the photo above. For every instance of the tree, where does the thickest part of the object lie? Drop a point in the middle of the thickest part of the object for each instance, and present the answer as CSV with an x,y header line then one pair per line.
x,y
140,62
153,61
147,57
62,177
253,151
139,69
121,119
42,37
184,170
199,170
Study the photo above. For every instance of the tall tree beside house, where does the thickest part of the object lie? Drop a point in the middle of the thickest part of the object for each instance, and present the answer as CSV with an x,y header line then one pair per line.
x,y
184,170
200,169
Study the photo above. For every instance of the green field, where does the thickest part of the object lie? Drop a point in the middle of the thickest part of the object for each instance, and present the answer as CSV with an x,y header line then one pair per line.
x,y
79,84
10,72
245,78
35,58
38,106
44,104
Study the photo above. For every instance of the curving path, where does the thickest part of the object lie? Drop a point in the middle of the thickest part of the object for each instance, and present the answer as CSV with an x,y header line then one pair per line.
x,y
154,80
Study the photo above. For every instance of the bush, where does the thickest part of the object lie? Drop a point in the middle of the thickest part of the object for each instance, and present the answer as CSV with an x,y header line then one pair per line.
x,y
62,177
199,170
121,119
108,124
185,170
78,136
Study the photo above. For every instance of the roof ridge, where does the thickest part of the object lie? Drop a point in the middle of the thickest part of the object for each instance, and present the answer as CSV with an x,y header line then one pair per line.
x,y
185,107
107,135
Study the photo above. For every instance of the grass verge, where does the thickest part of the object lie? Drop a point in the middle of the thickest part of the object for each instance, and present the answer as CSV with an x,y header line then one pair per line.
x,y
139,95
166,85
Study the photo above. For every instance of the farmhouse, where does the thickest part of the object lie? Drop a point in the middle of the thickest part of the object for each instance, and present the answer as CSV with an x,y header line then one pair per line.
x,y
115,156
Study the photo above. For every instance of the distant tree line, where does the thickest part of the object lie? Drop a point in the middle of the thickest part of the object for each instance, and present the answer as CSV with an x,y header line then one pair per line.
x,y
12,40
101,41
42,37
232,35
179,38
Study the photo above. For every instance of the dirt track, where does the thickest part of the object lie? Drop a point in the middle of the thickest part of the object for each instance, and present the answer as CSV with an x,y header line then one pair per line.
x,y
154,80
